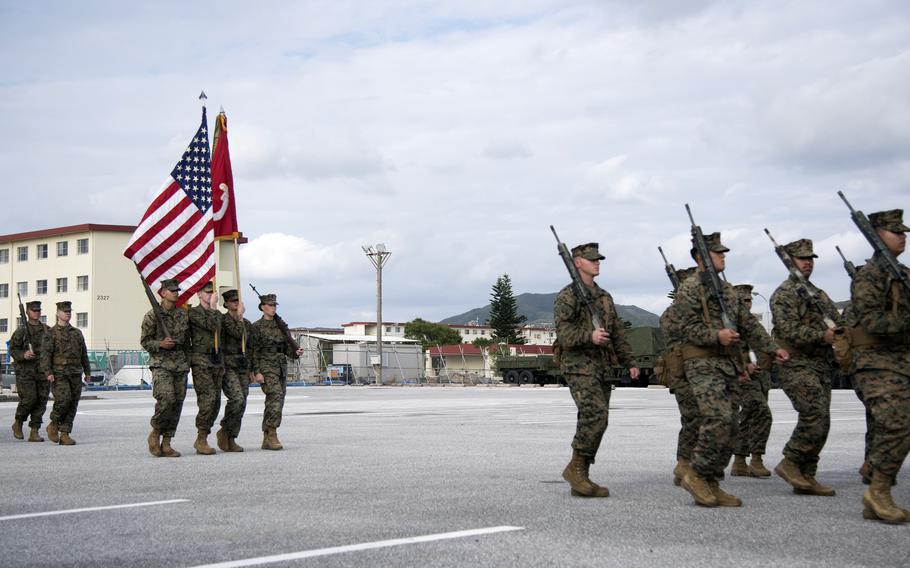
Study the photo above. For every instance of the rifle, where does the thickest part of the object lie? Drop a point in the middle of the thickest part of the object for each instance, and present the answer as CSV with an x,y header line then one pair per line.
x,y
671,271
710,277
28,333
887,259
848,265
163,331
804,288
281,325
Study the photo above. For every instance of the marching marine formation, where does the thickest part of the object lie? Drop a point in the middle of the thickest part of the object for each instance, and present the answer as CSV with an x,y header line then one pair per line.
x,y
271,345
700,318
205,361
751,398
805,328
166,336
64,361
236,382
31,384
880,298
589,344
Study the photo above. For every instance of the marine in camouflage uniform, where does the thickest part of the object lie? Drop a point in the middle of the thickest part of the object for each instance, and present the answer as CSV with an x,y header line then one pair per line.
x,y
806,378
270,350
864,472
64,360
32,385
751,396
713,365
682,391
587,357
169,363
881,363
236,383
205,321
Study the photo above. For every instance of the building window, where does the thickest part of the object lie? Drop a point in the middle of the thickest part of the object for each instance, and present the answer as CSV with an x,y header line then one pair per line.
x,y
63,248
4,256
4,290
61,285
41,287
397,330
4,325
22,288
82,283
41,251
81,246
21,254
82,319
388,329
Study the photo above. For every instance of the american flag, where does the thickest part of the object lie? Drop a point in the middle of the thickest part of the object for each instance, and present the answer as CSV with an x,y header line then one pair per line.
x,y
175,237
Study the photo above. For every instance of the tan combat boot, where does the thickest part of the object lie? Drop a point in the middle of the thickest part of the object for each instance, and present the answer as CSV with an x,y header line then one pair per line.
x,y
679,472
233,446
65,439
272,436
757,467
740,467
790,472
17,430
599,490
166,449
53,434
724,499
34,436
699,488
576,474
155,442
865,472
202,444
878,503
221,438
816,488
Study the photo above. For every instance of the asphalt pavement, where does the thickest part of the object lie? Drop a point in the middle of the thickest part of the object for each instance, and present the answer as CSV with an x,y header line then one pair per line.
x,y
422,476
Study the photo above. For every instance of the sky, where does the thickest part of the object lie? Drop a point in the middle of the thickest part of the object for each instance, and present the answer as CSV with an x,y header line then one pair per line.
x,y
456,133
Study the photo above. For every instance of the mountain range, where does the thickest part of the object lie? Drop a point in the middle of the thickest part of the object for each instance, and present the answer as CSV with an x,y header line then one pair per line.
x,y
538,308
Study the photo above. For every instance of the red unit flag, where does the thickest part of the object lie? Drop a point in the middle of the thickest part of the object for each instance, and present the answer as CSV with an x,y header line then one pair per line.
x,y
224,207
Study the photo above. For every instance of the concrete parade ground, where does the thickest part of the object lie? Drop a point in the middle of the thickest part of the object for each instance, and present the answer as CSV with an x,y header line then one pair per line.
x,y
422,476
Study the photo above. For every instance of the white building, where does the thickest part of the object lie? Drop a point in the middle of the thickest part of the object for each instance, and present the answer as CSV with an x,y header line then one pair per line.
x,y
469,332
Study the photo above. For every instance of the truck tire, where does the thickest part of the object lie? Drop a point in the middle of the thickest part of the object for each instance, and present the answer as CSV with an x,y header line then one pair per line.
x,y
511,377
526,377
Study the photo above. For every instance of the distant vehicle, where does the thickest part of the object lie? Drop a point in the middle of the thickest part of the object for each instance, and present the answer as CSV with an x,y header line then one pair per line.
x,y
343,373
647,343
8,375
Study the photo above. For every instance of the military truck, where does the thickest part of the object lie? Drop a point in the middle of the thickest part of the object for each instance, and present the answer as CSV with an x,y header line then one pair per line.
x,y
647,343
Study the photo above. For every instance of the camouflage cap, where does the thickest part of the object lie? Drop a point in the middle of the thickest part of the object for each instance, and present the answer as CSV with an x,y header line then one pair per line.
x,y
684,273
744,291
892,220
589,251
65,306
800,249
268,299
230,295
170,284
207,287
34,305
713,243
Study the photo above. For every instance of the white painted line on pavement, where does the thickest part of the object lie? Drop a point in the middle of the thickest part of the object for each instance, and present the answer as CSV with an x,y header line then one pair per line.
x,y
357,547
858,419
88,509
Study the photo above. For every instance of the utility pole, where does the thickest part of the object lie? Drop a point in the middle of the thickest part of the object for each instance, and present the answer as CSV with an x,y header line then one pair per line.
x,y
378,256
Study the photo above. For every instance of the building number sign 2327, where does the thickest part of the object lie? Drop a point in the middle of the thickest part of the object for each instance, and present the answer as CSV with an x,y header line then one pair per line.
x,y
101,298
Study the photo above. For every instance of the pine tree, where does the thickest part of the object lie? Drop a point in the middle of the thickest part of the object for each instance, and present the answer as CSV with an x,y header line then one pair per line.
x,y
504,317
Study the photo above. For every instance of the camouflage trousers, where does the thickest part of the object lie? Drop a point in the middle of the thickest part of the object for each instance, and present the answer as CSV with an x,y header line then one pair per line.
x,y
67,388
713,391
169,390
870,420
887,395
754,418
592,398
809,391
207,384
688,419
275,388
236,387
34,391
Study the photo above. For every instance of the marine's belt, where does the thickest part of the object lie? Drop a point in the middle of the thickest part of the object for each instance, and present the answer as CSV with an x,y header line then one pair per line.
x,y
202,351
860,337
272,350
64,360
806,351
690,351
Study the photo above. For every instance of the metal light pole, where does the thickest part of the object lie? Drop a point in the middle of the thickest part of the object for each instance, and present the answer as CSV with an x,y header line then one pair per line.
x,y
378,255
766,315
